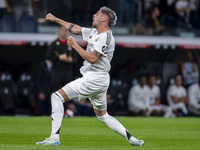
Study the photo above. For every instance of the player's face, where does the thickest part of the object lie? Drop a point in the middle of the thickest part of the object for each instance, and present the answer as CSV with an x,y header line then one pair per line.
x,y
63,32
178,80
97,19
152,80
143,81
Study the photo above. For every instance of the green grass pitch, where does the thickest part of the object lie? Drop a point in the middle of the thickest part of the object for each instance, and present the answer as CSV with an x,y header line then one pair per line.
x,y
88,133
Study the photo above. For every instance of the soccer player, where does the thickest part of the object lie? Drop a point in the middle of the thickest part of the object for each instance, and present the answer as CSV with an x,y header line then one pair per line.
x,y
95,80
177,95
138,100
194,99
155,108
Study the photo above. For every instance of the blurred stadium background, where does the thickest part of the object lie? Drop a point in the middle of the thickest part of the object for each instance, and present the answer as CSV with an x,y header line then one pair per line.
x,y
25,36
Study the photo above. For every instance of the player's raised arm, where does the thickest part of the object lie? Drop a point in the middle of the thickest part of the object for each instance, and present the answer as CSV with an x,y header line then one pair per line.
x,y
73,28
90,57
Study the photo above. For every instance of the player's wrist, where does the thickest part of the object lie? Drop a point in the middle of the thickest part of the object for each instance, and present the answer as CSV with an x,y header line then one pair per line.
x,y
74,45
56,20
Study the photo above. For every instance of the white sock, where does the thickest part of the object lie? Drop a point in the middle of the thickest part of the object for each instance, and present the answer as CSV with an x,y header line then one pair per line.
x,y
57,114
116,126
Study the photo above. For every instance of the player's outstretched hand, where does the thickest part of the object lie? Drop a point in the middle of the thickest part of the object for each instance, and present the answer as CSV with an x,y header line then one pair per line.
x,y
70,41
50,17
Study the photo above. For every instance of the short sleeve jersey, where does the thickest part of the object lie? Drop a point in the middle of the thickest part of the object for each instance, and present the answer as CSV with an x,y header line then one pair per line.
x,y
175,91
103,43
194,96
138,96
154,93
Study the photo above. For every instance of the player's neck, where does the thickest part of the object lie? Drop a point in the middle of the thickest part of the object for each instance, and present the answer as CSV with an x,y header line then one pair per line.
x,y
102,29
151,86
141,85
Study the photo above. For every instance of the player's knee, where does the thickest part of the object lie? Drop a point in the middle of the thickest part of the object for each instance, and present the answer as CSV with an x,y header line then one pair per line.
x,y
52,95
103,118
56,97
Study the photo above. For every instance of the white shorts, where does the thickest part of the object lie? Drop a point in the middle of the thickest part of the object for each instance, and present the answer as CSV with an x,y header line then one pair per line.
x,y
137,109
159,107
92,85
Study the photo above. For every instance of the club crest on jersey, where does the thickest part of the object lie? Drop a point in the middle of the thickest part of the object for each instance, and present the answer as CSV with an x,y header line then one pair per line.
x,y
97,39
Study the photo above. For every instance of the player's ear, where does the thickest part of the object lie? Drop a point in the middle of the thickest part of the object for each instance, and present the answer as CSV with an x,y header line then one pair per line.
x,y
105,18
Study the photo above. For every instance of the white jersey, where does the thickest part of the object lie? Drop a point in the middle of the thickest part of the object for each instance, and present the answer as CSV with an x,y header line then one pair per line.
x,y
154,93
194,98
175,91
181,5
138,97
104,43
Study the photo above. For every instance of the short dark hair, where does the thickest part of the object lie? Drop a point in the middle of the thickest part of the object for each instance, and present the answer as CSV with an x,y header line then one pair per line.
x,y
112,17
178,74
150,75
141,76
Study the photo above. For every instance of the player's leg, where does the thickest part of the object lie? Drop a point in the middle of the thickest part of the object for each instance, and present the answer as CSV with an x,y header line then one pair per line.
x,y
181,106
68,92
57,99
111,122
116,126
168,112
154,111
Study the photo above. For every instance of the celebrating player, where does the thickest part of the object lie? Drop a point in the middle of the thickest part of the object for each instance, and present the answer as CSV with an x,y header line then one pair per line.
x,y
95,80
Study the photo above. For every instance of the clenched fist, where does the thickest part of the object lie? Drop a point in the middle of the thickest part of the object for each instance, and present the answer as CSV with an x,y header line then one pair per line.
x,y
50,17
70,41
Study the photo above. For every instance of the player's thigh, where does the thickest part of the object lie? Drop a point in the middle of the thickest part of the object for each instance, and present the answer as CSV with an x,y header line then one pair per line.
x,y
64,95
99,103
72,89
153,108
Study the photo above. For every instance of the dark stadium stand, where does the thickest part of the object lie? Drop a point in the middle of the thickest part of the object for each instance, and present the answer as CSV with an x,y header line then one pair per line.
x,y
9,23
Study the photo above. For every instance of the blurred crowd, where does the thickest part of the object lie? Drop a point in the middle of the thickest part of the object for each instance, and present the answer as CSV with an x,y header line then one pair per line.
x,y
133,91
145,93
141,17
